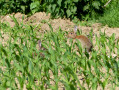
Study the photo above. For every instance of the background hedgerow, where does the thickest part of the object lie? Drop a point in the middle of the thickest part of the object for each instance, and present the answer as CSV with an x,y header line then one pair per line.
x,y
86,10
67,8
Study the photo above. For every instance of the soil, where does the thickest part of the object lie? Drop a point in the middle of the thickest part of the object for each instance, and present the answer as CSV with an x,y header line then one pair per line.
x,y
65,24
40,18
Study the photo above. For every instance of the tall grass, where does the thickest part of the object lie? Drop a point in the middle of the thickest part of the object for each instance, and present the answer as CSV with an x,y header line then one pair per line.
x,y
62,64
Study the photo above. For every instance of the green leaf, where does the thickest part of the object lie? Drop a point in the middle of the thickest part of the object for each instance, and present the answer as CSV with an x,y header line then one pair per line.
x,y
53,7
4,51
75,1
59,2
94,85
23,8
73,9
68,13
86,7
96,4
30,67
34,5
1,70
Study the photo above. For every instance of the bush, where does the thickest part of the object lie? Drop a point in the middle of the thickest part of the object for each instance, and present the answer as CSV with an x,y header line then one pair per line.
x,y
10,6
61,8
74,8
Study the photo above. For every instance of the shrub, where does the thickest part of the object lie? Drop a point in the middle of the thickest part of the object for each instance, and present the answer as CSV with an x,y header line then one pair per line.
x,y
57,8
10,6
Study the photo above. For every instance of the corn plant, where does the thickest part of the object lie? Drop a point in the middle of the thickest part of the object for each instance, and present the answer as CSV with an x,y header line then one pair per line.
x,y
61,65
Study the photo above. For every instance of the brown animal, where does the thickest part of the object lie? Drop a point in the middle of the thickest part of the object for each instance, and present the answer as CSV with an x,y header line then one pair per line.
x,y
85,41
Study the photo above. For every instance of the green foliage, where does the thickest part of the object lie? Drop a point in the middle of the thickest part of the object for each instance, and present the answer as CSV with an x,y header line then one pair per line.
x,y
37,5
111,14
61,64
57,8
62,8
74,8
10,6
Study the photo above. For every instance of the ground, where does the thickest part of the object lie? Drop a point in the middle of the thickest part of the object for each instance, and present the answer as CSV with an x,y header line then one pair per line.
x,y
65,24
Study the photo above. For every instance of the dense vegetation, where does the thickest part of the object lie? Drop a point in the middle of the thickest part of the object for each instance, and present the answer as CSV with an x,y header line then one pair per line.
x,y
81,9
106,13
67,8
